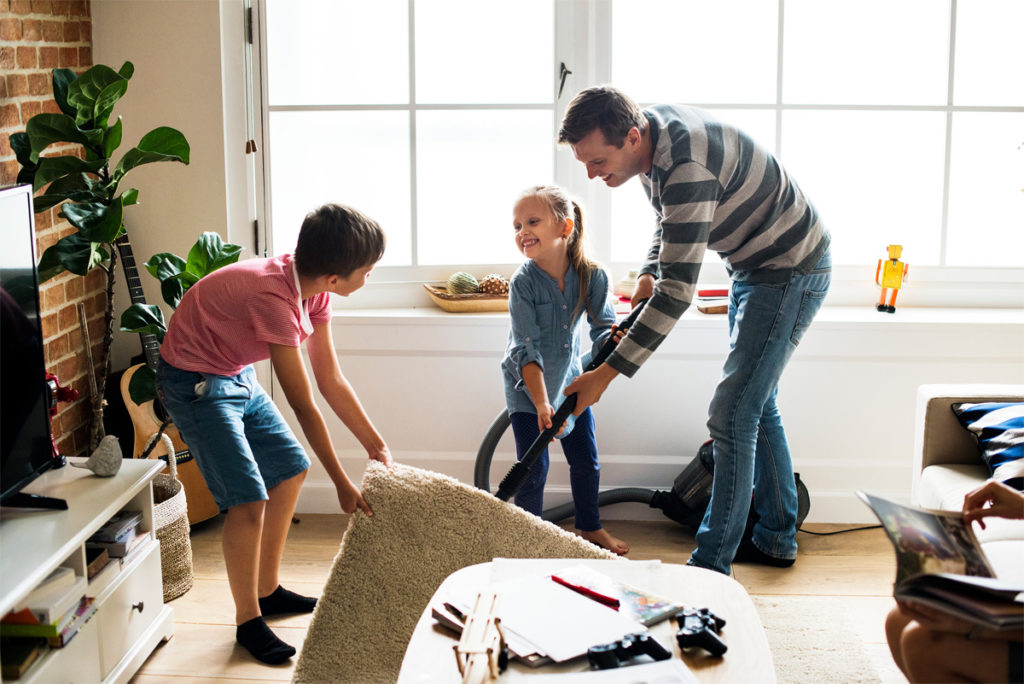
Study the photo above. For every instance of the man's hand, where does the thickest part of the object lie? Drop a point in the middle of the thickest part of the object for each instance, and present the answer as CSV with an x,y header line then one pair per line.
x,y
590,386
351,499
643,290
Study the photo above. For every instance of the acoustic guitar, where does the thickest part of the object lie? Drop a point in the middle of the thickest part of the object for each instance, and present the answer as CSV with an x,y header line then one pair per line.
x,y
149,416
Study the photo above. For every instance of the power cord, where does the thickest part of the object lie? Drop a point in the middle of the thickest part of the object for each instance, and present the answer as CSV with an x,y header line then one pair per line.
x,y
828,534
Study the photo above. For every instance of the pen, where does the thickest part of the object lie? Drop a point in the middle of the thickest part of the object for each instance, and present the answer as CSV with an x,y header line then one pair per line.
x,y
609,601
455,611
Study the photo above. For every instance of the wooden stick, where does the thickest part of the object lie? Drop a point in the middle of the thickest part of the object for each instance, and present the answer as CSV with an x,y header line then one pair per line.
x,y
96,431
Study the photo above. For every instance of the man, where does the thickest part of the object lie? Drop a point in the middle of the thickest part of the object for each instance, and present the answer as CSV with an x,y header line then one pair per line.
x,y
712,186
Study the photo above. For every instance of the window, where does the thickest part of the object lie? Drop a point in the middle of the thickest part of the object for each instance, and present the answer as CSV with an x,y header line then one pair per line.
x,y
902,119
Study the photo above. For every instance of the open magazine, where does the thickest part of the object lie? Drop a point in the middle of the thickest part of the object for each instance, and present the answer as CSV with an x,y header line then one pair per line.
x,y
939,563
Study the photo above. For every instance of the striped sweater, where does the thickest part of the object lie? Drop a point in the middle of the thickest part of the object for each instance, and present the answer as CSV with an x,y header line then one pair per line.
x,y
713,187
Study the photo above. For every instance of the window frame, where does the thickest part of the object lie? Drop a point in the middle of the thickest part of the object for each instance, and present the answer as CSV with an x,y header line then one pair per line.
x,y
583,34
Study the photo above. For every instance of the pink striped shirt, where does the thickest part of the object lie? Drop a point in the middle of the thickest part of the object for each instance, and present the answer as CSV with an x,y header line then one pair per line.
x,y
227,320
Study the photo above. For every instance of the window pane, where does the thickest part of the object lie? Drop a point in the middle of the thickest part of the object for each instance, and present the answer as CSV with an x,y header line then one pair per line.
x,y
484,52
471,167
875,178
989,60
633,219
356,158
866,52
986,190
318,52
694,50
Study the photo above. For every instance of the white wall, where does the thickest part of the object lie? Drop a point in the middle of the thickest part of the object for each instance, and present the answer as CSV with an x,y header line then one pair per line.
x,y
430,381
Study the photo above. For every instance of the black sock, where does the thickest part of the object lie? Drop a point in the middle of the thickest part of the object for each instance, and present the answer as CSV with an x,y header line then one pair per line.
x,y
748,553
263,643
284,601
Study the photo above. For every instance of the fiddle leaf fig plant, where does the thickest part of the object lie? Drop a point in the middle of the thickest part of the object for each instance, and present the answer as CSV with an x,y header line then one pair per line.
x,y
176,276
86,180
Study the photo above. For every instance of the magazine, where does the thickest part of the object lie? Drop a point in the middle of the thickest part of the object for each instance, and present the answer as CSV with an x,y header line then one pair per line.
x,y
940,563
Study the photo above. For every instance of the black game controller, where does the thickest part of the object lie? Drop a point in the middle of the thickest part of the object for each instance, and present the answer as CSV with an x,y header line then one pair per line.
x,y
607,656
699,627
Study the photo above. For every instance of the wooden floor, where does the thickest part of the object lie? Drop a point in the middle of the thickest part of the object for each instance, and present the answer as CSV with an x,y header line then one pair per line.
x,y
855,568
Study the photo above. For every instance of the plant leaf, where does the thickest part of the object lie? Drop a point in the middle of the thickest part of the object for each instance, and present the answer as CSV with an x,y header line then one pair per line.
x,y
165,265
144,318
105,102
127,70
142,386
22,151
210,253
62,78
45,129
112,140
52,168
85,93
172,290
160,144
71,253
72,187
129,197
95,221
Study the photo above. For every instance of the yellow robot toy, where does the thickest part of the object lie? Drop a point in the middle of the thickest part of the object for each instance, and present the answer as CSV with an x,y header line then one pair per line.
x,y
889,275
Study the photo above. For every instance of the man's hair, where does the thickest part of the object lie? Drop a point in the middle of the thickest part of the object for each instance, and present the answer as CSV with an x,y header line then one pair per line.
x,y
603,107
336,240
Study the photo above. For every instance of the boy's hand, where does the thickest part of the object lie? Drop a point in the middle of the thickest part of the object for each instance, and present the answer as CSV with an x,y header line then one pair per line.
x,y
382,454
352,500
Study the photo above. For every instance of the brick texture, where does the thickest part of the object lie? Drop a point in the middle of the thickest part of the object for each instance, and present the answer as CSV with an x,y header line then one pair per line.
x,y
35,37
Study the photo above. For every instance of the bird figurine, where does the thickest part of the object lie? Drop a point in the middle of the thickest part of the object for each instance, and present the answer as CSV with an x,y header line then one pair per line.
x,y
105,461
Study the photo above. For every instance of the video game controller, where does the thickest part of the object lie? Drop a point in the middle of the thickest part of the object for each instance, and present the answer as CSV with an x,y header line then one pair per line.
x,y
699,628
607,656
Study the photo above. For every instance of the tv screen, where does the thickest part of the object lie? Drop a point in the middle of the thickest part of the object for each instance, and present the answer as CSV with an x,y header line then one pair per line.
x,y
27,449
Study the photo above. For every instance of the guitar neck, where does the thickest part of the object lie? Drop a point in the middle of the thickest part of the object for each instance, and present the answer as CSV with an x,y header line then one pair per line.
x,y
150,345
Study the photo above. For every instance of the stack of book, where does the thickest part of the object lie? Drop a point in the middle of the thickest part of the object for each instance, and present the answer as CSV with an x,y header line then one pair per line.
x,y
54,610
713,301
117,535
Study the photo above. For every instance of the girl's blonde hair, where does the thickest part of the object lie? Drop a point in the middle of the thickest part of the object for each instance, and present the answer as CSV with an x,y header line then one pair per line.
x,y
563,207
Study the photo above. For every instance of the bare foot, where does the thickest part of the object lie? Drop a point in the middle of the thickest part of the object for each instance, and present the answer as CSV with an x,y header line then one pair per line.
x,y
605,541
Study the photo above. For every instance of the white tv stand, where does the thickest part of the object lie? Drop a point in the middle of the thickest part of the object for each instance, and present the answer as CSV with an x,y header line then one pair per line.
x,y
131,618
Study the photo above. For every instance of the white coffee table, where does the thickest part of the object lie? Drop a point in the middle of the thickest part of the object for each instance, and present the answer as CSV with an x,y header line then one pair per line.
x,y
429,656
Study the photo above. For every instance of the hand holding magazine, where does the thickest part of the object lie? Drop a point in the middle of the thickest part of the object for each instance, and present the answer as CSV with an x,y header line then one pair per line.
x,y
939,563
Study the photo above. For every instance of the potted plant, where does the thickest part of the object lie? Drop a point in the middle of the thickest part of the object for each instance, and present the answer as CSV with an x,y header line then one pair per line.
x,y
88,181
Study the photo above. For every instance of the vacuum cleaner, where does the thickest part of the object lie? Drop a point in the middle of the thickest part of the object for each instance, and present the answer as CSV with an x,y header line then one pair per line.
x,y
685,503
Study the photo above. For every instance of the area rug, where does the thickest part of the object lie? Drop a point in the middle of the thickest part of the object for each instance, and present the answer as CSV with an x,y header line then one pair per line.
x,y
425,526
811,643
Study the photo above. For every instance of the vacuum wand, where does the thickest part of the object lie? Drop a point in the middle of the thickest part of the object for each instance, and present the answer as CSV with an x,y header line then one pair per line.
x,y
517,474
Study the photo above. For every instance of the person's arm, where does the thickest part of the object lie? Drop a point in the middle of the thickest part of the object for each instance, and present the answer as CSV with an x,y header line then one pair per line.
x,y
340,396
291,373
993,499
939,621
533,378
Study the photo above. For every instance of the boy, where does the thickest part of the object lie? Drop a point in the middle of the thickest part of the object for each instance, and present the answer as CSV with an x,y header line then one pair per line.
x,y
251,461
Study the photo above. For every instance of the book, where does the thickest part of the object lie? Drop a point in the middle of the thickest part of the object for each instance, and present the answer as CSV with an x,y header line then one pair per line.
x,y
48,630
115,549
940,563
18,655
86,609
102,579
95,560
49,607
635,603
115,529
60,577
136,547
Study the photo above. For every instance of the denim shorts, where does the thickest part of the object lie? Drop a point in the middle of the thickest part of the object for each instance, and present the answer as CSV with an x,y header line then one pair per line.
x,y
240,441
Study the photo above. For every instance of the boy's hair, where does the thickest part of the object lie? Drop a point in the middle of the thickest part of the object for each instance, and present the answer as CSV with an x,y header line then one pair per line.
x,y
603,107
336,240
563,207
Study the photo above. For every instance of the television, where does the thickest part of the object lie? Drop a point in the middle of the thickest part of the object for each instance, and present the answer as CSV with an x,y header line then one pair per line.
x,y
26,446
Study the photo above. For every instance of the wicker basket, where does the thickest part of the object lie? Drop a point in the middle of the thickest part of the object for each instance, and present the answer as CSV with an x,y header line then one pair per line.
x,y
170,520
466,303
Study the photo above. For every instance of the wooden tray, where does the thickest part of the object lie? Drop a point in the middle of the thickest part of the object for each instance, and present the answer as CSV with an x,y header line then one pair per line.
x,y
466,303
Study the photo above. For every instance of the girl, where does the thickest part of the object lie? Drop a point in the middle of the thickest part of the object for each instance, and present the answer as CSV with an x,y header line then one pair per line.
x,y
547,299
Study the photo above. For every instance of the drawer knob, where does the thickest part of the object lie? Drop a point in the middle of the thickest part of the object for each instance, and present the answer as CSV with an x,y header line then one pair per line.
x,y
140,606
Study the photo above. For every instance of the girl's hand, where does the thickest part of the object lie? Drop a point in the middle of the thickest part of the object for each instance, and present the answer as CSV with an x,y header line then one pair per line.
x,y
616,335
545,414
934,619
382,454
993,499
352,500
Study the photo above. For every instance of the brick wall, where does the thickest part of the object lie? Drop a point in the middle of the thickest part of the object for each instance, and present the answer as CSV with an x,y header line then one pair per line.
x,y
37,36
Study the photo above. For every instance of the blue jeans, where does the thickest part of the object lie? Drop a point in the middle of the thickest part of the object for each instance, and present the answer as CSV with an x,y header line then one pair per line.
x,y
766,322
240,441
580,449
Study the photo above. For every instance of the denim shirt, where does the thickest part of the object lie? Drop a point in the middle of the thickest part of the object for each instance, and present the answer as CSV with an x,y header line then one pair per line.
x,y
543,331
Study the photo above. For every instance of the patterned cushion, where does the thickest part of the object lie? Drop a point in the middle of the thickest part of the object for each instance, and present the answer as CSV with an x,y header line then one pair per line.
x,y
999,429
